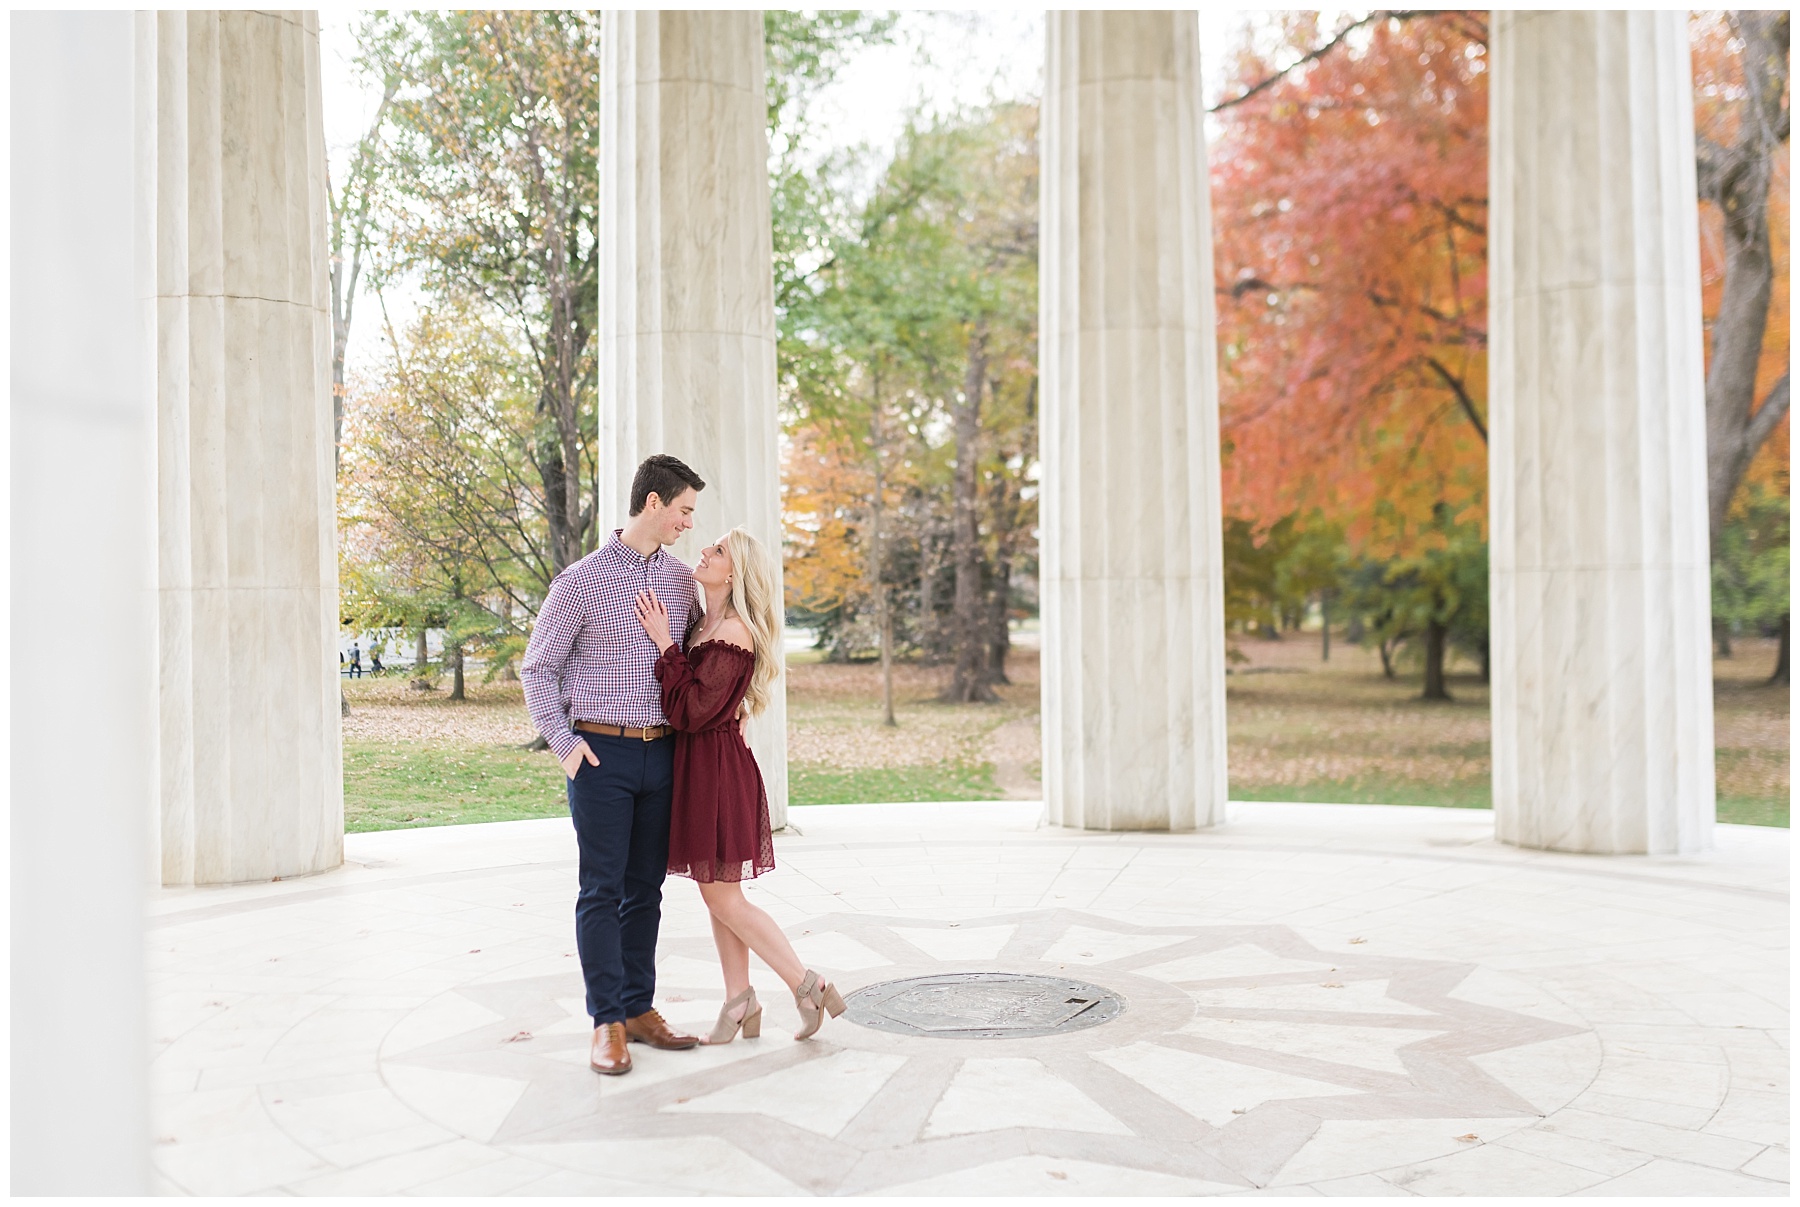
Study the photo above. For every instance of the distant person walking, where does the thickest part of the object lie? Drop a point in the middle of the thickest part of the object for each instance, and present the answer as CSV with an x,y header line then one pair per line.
x,y
355,661
375,667
591,688
719,830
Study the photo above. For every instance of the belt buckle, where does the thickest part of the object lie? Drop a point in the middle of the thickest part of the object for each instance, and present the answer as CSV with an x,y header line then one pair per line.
x,y
644,734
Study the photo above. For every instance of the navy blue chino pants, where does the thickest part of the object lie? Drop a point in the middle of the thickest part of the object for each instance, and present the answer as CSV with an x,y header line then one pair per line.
x,y
621,815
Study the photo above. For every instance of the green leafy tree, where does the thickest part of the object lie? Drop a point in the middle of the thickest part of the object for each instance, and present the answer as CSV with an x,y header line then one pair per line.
x,y
913,346
494,192
1750,569
444,517
1427,600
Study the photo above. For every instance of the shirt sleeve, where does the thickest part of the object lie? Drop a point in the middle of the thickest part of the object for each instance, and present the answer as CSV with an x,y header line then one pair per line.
x,y
559,622
694,699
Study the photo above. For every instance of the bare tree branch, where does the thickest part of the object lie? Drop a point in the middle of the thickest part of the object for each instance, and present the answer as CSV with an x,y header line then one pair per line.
x,y
1768,415
1462,395
1313,57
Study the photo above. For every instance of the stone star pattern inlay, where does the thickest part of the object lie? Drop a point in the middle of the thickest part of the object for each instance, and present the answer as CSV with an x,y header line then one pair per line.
x,y
1246,1057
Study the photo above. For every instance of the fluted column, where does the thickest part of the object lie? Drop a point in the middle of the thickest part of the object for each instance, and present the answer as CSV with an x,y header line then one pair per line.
x,y
1132,577
83,642
1602,698
687,291
252,783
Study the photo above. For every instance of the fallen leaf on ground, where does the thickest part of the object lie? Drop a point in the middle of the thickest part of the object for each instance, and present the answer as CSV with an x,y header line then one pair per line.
x,y
1469,1139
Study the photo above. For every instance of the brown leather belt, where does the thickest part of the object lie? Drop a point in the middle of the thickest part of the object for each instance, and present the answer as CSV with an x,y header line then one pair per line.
x,y
649,734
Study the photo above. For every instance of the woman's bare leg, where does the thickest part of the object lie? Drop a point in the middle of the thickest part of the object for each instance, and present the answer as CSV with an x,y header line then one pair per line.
x,y
734,961
753,927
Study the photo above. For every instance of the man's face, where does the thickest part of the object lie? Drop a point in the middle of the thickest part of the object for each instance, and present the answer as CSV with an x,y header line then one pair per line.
x,y
676,518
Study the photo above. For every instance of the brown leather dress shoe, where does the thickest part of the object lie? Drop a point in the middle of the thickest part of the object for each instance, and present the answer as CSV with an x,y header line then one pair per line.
x,y
608,1055
649,1028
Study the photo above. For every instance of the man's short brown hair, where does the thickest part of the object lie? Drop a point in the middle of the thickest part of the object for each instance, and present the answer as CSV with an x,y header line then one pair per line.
x,y
665,477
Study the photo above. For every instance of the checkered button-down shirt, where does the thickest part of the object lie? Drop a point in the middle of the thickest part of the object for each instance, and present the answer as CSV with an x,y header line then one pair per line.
x,y
589,659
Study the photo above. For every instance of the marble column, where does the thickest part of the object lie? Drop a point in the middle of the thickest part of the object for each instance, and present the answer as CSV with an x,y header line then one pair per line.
x,y
83,674
687,291
251,764
1132,582
1602,697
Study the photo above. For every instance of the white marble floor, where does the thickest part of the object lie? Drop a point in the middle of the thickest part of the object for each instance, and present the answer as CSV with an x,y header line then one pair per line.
x,y
1321,1000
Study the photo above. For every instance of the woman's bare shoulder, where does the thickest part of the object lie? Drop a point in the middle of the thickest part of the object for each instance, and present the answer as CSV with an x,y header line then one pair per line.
x,y
733,631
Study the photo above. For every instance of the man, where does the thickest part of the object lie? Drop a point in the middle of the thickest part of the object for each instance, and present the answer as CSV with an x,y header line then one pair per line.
x,y
592,692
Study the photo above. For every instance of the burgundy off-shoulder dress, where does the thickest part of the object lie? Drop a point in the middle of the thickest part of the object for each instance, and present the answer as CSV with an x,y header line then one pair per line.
x,y
719,822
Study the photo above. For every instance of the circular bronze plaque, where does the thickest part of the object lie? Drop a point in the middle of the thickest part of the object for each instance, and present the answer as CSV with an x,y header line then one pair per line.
x,y
983,1005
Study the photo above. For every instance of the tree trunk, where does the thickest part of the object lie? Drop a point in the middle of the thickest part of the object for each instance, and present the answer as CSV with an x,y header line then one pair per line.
x,y
883,622
1436,639
1721,637
359,193
1387,647
929,638
1487,661
927,588
565,537
886,624
1781,656
422,663
453,654
1324,626
999,639
967,683
1736,179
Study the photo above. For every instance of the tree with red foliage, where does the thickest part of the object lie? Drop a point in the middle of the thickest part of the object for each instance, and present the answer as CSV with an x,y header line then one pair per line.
x,y
1351,262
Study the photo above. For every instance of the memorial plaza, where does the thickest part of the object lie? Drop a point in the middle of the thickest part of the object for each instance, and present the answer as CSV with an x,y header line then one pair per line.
x,y
1319,999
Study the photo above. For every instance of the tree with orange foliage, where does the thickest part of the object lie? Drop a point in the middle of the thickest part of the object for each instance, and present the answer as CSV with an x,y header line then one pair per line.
x,y
1351,262
1351,195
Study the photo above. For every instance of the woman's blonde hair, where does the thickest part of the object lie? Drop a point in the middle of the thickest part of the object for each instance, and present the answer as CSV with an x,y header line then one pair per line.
x,y
756,598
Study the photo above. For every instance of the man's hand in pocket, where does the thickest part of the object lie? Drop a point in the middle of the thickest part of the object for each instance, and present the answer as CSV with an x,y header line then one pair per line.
x,y
571,762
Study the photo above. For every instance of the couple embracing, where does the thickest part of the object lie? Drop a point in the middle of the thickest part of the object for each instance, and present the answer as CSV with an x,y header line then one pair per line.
x,y
638,674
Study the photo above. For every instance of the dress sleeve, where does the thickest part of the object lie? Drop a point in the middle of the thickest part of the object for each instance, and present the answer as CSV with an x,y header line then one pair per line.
x,y
696,698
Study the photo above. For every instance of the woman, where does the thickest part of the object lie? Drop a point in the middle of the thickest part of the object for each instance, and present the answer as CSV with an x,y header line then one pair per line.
x,y
719,824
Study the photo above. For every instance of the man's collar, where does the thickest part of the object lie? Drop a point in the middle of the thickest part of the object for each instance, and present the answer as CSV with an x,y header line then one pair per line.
x,y
620,550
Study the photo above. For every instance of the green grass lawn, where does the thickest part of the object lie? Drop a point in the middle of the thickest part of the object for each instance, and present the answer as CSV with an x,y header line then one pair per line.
x,y
1456,794
392,787
814,784
1754,811
1473,794
396,787
1300,730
